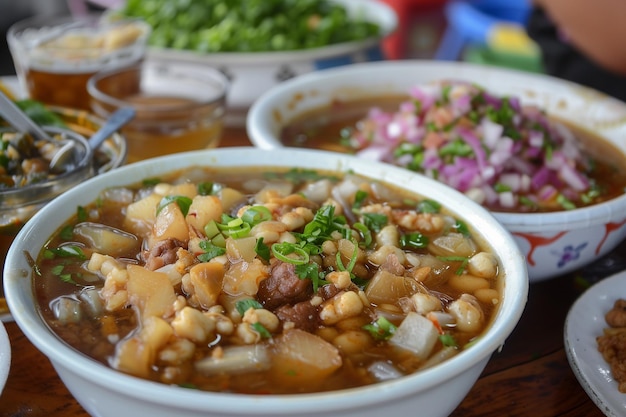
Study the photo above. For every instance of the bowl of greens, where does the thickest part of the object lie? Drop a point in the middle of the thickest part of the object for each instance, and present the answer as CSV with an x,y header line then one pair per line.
x,y
257,45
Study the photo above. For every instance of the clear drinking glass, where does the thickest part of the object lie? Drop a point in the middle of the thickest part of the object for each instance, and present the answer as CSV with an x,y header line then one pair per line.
x,y
179,106
54,57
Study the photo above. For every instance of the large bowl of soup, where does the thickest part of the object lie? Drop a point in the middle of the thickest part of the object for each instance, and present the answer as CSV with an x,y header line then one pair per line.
x,y
246,282
546,156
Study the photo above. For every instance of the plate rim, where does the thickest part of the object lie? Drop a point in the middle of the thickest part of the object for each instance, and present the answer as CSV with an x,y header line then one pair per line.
x,y
581,348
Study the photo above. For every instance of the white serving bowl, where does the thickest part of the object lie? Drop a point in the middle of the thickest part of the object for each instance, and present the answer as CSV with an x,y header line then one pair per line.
x,y
553,243
252,74
104,392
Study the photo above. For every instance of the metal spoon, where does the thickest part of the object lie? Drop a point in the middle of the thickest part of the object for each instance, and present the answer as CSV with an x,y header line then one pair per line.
x,y
65,154
20,120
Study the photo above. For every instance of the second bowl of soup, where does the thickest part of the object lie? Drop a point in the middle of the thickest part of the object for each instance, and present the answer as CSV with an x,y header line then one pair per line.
x,y
544,155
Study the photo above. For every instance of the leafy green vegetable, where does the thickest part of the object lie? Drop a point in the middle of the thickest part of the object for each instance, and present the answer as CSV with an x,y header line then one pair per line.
x,y
40,113
262,250
248,25
211,250
448,340
208,188
183,203
65,251
265,334
414,240
311,271
244,305
375,221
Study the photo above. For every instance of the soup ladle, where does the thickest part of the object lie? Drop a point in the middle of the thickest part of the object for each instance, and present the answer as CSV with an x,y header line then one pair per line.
x,y
64,156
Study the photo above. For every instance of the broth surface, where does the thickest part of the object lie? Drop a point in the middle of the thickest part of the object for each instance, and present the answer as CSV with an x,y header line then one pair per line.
x,y
352,269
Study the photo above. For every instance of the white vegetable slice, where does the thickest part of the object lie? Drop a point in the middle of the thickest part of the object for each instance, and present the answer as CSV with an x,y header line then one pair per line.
x,y
417,334
236,359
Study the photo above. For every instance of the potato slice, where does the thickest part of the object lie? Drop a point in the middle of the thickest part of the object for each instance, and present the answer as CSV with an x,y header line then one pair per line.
x,y
303,358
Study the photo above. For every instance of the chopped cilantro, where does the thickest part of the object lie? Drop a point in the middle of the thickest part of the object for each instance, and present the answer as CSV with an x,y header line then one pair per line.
x,y
183,203
244,305
381,329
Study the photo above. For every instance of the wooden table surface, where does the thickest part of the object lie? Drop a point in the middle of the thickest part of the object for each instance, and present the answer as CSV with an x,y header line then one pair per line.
x,y
530,376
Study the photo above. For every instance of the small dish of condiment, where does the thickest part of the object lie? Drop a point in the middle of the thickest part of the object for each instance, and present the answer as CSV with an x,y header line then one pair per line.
x,y
585,322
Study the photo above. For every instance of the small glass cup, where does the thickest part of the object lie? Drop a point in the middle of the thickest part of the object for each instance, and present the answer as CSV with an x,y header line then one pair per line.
x,y
179,106
54,57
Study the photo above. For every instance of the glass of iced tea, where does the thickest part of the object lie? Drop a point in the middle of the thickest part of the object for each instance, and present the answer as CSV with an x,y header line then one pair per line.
x,y
55,56
179,106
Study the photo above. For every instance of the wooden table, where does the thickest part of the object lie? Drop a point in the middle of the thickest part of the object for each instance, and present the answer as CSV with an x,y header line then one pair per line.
x,y
530,376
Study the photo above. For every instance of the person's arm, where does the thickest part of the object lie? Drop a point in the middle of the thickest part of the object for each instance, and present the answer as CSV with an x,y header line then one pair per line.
x,y
596,27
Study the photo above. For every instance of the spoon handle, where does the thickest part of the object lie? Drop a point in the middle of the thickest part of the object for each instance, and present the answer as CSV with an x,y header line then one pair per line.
x,y
118,119
19,120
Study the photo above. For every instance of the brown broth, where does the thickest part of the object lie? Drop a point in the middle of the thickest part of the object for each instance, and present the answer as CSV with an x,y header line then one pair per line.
x,y
89,335
321,128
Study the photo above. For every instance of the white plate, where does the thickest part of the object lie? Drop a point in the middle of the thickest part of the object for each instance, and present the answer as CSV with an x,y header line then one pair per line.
x,y
584,322
5,356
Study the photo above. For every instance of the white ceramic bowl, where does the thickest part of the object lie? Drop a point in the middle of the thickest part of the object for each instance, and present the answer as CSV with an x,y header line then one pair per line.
x,y
252,74
104,392
5,356
554,243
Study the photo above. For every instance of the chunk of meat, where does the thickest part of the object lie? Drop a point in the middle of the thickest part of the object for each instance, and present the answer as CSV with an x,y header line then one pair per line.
x,y
163,253
328,291
616,317
304,315
283,287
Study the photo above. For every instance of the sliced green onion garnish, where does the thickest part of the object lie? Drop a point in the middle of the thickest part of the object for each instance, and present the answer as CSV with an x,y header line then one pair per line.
x,y
282,251
414,240
256,214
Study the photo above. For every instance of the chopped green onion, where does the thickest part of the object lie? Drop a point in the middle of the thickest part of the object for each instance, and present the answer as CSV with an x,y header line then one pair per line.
x,y
375,221
461,259
256,214
448,340
209,188
501,188
381,329
428,206
282,251
151,182
81,214
65,251
415,240
235,228
211,250
262,250
260,329
366,234
564,202
211,230
359,198
67,233
461,227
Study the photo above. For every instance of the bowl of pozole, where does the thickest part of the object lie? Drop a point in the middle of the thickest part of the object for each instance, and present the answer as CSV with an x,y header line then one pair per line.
x,y
545,156
239,282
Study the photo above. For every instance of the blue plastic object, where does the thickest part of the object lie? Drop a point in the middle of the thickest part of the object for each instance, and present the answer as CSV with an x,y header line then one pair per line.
x,y
469,22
